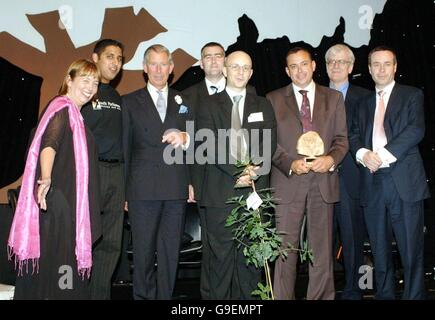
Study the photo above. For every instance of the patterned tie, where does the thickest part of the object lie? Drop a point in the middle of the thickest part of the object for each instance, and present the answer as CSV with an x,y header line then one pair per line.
x,y
237,139
214,89
305,112
379,136
161,105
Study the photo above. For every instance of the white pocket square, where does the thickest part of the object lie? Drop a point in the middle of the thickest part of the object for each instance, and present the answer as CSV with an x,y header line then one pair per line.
x,y
255,117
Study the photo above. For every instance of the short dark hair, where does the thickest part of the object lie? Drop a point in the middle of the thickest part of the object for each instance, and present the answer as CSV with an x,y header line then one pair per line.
x,y
212,44
297,49
382,48
104,43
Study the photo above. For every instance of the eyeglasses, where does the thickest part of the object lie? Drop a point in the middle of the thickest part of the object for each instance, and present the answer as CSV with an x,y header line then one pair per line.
x,y
339,62
236,67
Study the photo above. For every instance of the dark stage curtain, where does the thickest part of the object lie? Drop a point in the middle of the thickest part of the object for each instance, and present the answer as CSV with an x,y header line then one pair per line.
x,y
19,99
406,26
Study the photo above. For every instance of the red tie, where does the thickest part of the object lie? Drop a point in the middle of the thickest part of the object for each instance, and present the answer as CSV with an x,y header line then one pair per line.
x,y
305,112
379,136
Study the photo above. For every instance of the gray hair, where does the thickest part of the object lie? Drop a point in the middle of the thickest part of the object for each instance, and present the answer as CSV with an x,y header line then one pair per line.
x,y
339,48
158,48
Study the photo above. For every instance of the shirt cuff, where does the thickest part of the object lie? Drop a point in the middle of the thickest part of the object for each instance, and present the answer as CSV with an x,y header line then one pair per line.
x,y
186,145
360,155
386,157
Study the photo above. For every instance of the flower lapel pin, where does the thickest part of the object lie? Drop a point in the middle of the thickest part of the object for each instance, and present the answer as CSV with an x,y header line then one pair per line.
x,y
183,108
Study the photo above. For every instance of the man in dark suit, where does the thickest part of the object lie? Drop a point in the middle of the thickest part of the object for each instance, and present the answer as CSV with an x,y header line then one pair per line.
x,y
212,62
385,134
301,186
238,109
348,213
156,191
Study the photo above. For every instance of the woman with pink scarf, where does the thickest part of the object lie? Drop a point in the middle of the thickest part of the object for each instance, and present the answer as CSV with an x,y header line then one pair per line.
x,y
57,216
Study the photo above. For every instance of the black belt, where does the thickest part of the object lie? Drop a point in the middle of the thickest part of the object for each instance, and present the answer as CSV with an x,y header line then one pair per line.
x,y
109,160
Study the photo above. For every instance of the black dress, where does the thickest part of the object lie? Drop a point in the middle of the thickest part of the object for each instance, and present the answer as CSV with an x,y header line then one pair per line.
x,y
58,275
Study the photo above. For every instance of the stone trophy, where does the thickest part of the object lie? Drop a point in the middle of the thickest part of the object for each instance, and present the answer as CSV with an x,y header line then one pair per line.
x,y
310,145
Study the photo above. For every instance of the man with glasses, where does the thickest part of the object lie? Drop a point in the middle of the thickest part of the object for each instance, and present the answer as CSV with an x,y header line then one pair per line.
x,y
384,137
238,112
300,186
348,213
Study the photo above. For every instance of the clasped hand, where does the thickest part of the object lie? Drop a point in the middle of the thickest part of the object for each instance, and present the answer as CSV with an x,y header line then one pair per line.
x,y
321,164
247,176
372,161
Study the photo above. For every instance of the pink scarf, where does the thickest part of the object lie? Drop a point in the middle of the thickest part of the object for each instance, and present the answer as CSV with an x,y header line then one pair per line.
x,y
24,235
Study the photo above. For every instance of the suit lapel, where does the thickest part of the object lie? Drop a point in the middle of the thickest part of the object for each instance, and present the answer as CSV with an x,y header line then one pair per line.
x,y
371,107
292,103
203,91
319,110
148,105
225,104
391,110
248,108
172,106
348,103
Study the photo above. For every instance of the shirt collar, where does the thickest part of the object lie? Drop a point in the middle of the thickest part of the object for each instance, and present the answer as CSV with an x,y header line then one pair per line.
x,y
388,88
153,89
220,85
309,88
341,88
233,93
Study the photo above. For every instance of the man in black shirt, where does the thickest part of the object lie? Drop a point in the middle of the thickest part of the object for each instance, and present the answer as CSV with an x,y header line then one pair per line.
x,y
104,118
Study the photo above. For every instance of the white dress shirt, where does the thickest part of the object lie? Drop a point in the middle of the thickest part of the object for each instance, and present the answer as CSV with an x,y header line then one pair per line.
x,y
155,95
311,88
383,153
242,93
220,85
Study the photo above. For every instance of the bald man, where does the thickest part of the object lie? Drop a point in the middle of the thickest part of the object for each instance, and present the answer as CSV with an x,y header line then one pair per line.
x,y
236,108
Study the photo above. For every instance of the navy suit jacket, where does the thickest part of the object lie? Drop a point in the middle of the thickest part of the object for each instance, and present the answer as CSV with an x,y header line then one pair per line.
x,y
404,127
348,169
148,176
